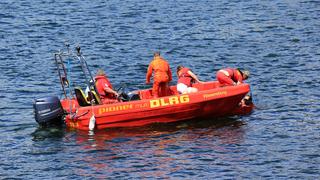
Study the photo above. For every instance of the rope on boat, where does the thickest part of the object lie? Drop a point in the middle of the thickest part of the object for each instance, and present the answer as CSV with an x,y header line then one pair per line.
x,y
74,116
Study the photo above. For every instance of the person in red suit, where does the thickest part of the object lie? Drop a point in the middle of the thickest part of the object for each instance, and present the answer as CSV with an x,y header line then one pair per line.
x,y
232,76
161,76
104,88
185,80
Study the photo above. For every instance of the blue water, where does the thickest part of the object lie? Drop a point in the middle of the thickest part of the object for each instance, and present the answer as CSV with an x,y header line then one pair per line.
x,y
278,41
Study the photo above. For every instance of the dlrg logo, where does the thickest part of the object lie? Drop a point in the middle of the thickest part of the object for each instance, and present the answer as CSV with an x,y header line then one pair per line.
x,y
169,101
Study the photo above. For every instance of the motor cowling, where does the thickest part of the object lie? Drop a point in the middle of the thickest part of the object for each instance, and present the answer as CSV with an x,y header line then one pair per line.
x,y
48,111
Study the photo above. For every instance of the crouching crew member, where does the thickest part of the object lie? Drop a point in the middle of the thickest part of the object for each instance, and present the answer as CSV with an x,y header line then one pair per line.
x,y
185,80
232,76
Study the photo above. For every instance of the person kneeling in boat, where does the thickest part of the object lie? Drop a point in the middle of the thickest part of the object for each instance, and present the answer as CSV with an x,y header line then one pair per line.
x,y
186,79
104,88
232,76
161,77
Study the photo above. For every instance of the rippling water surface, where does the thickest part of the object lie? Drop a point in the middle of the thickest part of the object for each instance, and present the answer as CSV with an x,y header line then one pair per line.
x,y
278,41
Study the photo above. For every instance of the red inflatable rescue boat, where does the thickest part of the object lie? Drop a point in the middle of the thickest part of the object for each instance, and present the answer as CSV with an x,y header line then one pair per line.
x,y
211,101
76,111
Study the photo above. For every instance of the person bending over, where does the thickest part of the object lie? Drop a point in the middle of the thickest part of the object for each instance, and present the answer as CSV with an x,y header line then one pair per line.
x,y
185,80
232,76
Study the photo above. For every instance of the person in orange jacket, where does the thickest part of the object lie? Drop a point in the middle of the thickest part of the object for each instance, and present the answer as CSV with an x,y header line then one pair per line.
x,y
104,88
161,77
231,76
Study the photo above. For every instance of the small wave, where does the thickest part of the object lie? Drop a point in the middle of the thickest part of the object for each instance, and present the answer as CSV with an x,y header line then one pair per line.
x,y
271,55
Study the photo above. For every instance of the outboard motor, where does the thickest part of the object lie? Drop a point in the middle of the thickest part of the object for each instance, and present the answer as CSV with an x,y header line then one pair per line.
x,y
48,111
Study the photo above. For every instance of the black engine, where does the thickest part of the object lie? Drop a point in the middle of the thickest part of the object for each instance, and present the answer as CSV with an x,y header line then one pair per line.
x,y
48,111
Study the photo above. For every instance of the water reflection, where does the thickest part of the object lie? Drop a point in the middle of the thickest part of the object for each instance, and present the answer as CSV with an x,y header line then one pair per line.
x,y
192,129
42,133
150,151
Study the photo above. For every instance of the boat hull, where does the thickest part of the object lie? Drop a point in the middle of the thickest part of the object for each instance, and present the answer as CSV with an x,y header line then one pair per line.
x,y
211,101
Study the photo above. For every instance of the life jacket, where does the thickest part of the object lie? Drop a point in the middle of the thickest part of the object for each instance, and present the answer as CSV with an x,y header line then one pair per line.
x,y
101,83
234,74
184,77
